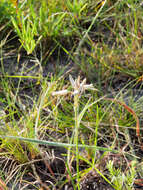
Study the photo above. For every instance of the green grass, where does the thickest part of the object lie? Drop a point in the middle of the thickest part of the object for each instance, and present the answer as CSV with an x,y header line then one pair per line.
x,y
82,112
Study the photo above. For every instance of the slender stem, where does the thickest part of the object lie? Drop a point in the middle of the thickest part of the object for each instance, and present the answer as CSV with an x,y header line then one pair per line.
x,y
76,110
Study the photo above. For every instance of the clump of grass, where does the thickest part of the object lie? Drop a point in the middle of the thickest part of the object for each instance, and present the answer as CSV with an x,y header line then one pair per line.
x,y
90,128
121,180
48,19
115,46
